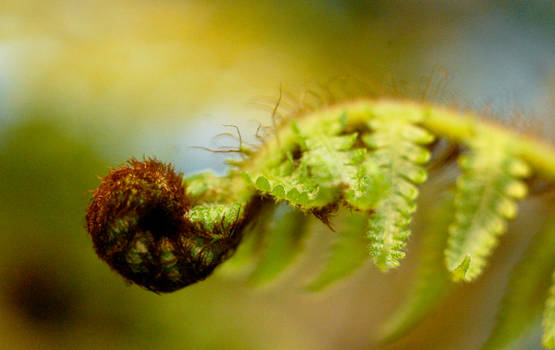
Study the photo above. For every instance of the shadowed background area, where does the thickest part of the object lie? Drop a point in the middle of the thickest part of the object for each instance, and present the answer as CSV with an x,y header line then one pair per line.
x,y
85,85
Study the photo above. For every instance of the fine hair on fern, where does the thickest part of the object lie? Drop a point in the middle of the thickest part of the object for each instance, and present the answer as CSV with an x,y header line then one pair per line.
x,y
357,166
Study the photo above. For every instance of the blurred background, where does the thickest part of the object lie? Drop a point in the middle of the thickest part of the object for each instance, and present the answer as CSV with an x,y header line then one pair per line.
x,y
84,85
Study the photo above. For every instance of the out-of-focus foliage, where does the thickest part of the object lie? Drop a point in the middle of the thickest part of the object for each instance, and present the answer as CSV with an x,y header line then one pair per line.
x,y
549,318
348,252
526,293
431,279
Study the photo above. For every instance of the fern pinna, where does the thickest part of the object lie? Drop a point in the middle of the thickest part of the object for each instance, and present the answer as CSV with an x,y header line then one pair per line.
x,y
163,231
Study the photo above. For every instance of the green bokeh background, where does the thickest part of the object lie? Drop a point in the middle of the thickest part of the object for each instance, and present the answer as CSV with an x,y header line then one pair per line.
x,y
85,85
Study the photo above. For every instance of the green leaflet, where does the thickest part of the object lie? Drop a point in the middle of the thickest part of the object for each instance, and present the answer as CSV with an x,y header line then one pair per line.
x,y
282,243
215,207
397,155
347,254
431,281
332,163
328,169
549,317
215,217
485,198
526,291
291,183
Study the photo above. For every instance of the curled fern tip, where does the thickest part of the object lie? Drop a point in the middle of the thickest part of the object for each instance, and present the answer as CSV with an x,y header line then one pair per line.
x,y
138,225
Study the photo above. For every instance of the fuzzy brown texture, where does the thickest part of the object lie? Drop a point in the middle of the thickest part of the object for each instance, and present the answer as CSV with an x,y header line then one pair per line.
x,y
133,178
136,219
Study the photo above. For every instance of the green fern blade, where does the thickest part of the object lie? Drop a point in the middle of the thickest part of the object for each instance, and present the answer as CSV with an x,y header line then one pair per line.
x,y
293,184
388,232
485,199
332,163
282,243
367,187
347,254
526,291
549,317
401,167
317,179
431,281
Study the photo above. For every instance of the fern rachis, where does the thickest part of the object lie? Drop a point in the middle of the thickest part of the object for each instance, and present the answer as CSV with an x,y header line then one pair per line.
x,y
164,232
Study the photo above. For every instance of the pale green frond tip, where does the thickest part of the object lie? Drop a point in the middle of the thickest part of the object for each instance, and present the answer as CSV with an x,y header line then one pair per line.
x,y
459,272
549,318
386,262
548,339
486,197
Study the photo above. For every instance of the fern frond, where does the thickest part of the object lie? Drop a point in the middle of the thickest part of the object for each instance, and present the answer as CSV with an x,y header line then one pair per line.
x,y
549,318
526,292
367,155
347,254
485,198
431,281
282,243
398,156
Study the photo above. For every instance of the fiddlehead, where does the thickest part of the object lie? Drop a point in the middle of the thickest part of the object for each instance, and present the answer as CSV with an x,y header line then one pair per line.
x,y
145,225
